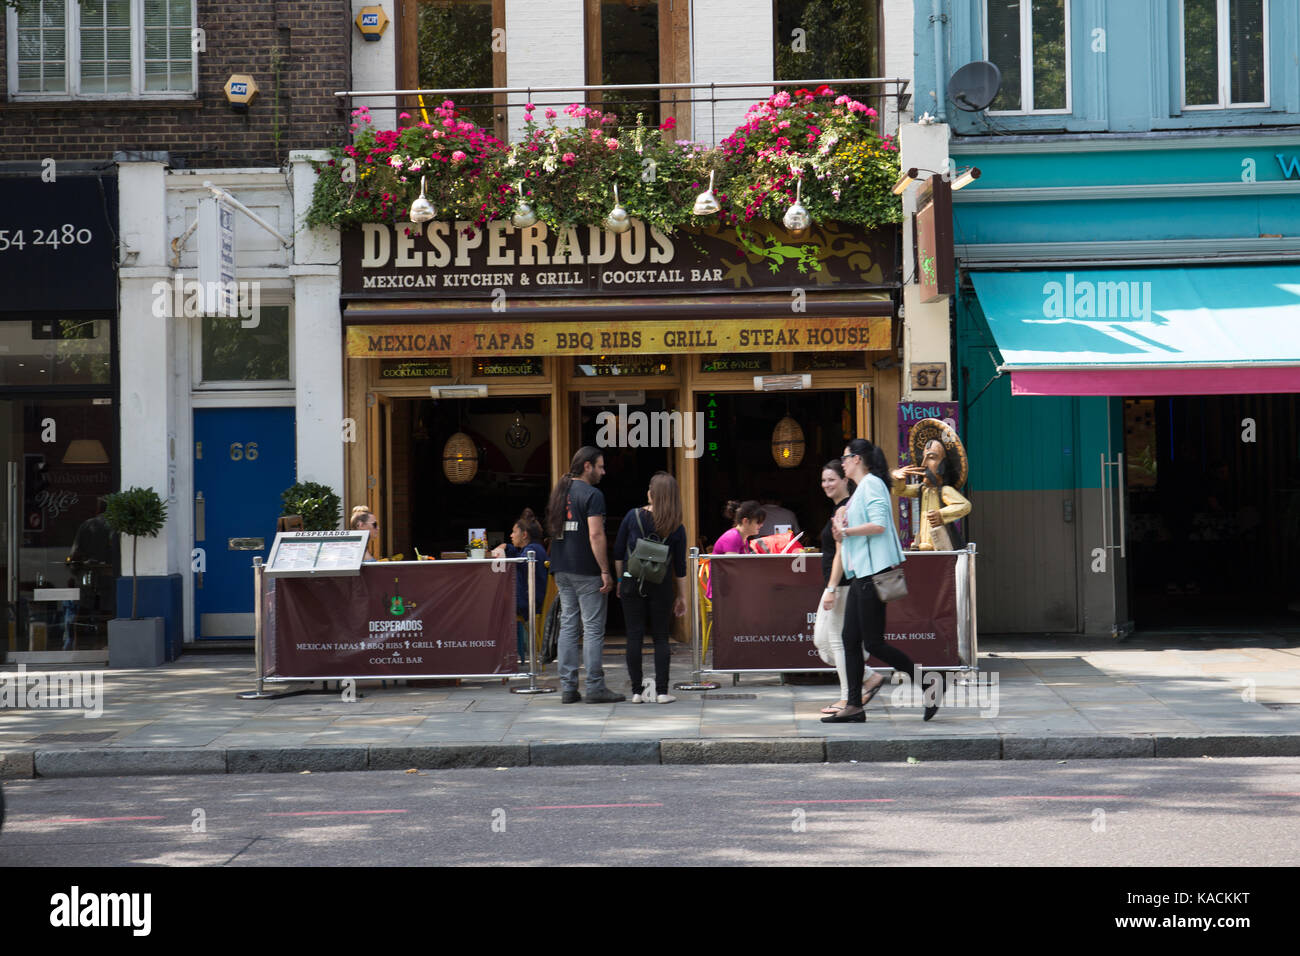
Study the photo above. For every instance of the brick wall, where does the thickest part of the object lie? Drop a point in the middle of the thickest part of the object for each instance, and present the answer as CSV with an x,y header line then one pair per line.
x,y
314,39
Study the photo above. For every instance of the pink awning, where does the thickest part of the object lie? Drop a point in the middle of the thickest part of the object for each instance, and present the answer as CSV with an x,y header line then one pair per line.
x,y
1165,381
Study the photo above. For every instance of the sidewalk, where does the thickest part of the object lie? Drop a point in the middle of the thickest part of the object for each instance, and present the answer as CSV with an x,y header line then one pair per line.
x,y
1062,698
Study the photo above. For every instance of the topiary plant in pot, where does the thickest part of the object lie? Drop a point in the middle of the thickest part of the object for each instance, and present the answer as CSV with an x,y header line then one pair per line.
x,y
137,512
316,503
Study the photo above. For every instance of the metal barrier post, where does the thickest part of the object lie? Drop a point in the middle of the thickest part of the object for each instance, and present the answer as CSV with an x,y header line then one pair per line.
x,y
259,626
698,683
531,629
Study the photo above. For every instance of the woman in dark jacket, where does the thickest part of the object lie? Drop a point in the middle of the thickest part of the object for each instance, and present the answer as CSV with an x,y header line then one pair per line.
x,y
652,604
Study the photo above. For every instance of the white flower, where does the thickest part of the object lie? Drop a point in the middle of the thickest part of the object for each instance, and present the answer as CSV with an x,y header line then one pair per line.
x,y
548,162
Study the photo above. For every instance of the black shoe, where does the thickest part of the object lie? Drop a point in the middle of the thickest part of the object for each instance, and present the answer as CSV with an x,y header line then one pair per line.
x,y
604,696
570,697
930,712
859,717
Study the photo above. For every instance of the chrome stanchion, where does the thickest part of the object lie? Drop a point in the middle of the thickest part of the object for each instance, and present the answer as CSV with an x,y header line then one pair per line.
x,y
259,625
697,656
531,629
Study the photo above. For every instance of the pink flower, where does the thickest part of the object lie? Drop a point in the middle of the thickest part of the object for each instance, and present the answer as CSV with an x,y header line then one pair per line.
x,y
550,113
841,100
611,143
458,156
781,99
530,107
403,115
568,158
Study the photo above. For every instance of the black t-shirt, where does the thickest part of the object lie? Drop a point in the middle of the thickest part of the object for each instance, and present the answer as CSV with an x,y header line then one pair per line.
x,y
572,553
828,547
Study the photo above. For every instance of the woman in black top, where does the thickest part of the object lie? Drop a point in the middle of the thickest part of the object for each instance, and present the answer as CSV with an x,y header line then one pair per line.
x,y
662,517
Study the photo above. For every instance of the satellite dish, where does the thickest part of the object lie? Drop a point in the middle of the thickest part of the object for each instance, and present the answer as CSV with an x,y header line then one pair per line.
x,y
975,86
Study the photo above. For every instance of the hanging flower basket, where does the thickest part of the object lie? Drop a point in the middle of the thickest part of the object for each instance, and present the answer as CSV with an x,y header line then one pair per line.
x,y
567,170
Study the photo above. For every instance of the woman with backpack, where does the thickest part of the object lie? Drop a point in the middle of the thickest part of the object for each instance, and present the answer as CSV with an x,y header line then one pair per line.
x,y
650,604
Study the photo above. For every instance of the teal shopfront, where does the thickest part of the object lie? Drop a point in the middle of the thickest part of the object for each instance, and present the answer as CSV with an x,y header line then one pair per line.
x,y
1128,351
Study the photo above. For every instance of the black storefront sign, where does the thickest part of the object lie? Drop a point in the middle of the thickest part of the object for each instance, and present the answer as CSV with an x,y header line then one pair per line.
x,y
439,260
57,242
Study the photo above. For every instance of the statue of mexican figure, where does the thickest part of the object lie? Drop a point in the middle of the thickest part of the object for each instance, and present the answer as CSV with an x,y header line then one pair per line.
x,y
943,469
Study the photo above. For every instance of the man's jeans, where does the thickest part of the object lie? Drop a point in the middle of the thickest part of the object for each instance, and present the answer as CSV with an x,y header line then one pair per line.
x,y
580,597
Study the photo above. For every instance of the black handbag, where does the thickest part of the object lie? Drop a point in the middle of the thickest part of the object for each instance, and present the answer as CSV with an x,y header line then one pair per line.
x,y
647,559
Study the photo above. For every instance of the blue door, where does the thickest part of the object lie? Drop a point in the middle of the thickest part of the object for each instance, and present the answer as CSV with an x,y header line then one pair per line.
x,y
243,459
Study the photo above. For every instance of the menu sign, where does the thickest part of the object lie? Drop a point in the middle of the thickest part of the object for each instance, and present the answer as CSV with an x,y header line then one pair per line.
x,y
317,553
439,260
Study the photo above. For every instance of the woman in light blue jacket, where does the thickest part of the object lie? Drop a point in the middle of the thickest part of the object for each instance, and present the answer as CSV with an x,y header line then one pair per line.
x,y
868,544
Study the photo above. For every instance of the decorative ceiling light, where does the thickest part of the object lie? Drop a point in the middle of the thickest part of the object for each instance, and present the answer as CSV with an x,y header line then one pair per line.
x,y
618,220
796,218
85,451
459,459
706,204
524,215
787,443
422,210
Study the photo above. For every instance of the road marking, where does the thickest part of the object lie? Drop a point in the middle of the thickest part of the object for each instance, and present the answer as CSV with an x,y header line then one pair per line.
x,y
103,819
331,813
1085,796
591,806
804,802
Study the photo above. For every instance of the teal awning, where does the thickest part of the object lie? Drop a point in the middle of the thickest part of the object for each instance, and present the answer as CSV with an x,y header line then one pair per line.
x,y
1158,331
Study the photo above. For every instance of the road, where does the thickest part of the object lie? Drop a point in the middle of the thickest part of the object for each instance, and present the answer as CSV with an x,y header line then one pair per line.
x,y
1082,813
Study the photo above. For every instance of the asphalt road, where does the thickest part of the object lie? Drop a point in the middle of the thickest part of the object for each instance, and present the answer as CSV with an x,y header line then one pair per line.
x,y
1202,812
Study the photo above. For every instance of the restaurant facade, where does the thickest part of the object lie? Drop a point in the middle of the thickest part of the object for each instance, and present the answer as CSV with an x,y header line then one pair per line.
x,y
682,352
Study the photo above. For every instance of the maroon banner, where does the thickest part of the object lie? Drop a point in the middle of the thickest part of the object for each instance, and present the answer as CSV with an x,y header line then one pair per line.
x,y
394,620
764,609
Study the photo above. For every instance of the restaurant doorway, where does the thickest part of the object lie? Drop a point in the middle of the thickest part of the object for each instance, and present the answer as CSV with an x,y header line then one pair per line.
x,y
432,513
1213,510
632,455
738,464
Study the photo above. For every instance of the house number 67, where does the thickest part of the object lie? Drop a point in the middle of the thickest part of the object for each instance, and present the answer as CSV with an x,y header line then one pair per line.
x,y
247,452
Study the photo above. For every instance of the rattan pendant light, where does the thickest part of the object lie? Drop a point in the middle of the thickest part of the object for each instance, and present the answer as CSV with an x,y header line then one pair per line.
x,y
459,459
787,443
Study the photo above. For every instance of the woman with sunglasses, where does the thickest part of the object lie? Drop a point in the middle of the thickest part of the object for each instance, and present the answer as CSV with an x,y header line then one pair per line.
x,y
868,544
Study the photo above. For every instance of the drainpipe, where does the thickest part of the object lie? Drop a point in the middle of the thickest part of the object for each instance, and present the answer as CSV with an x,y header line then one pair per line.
x,y
937,19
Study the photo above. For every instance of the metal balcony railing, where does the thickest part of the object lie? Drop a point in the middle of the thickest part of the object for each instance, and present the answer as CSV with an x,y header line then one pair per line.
x,y
704,112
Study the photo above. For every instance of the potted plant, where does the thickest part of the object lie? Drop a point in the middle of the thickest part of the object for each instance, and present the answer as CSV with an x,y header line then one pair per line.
x,y
133,642
316,503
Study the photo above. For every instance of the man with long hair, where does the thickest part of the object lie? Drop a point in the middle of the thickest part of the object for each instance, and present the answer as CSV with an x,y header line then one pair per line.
x,y
575,519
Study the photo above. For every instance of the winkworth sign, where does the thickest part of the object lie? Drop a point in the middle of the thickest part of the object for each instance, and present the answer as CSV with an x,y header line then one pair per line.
x,y
453,260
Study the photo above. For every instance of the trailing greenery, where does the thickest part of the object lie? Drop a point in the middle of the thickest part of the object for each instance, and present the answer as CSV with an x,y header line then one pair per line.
x,y
138,512
319,507
568,170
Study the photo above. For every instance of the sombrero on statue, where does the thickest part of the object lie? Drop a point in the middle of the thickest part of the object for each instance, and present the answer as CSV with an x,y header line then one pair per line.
x,y
928,429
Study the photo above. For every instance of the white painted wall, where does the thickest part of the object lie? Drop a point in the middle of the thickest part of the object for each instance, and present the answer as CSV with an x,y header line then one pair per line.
x,y
318,338
145,340
926,329
731,41
544,47
900,54
374,65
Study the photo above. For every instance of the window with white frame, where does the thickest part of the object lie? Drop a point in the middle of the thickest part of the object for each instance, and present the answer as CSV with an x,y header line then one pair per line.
x,y
1028,40
1225,53
101,49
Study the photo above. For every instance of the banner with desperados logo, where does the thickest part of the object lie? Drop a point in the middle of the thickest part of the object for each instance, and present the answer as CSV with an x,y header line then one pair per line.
x,y
398,619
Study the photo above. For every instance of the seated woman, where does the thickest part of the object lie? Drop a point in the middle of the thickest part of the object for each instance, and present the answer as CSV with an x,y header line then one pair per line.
x,y
363,519
747,518
525,536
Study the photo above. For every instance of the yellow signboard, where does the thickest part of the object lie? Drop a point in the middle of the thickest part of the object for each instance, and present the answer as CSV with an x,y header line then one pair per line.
x,y
795,334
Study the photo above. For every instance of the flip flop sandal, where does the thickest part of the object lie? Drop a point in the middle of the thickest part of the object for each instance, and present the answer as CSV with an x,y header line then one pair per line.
x,y
868,695
831,709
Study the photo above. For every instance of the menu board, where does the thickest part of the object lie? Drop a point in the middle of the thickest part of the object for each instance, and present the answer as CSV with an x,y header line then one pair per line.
x,y
303,554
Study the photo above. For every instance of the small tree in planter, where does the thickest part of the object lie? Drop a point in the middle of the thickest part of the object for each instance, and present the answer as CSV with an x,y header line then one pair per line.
x,y
316,503
138,512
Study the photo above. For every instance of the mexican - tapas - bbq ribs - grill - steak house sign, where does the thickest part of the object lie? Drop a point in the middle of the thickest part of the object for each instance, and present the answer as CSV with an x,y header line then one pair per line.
x,y
439,260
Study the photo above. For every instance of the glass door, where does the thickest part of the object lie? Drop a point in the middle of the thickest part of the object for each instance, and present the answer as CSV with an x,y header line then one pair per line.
x,y
60,561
